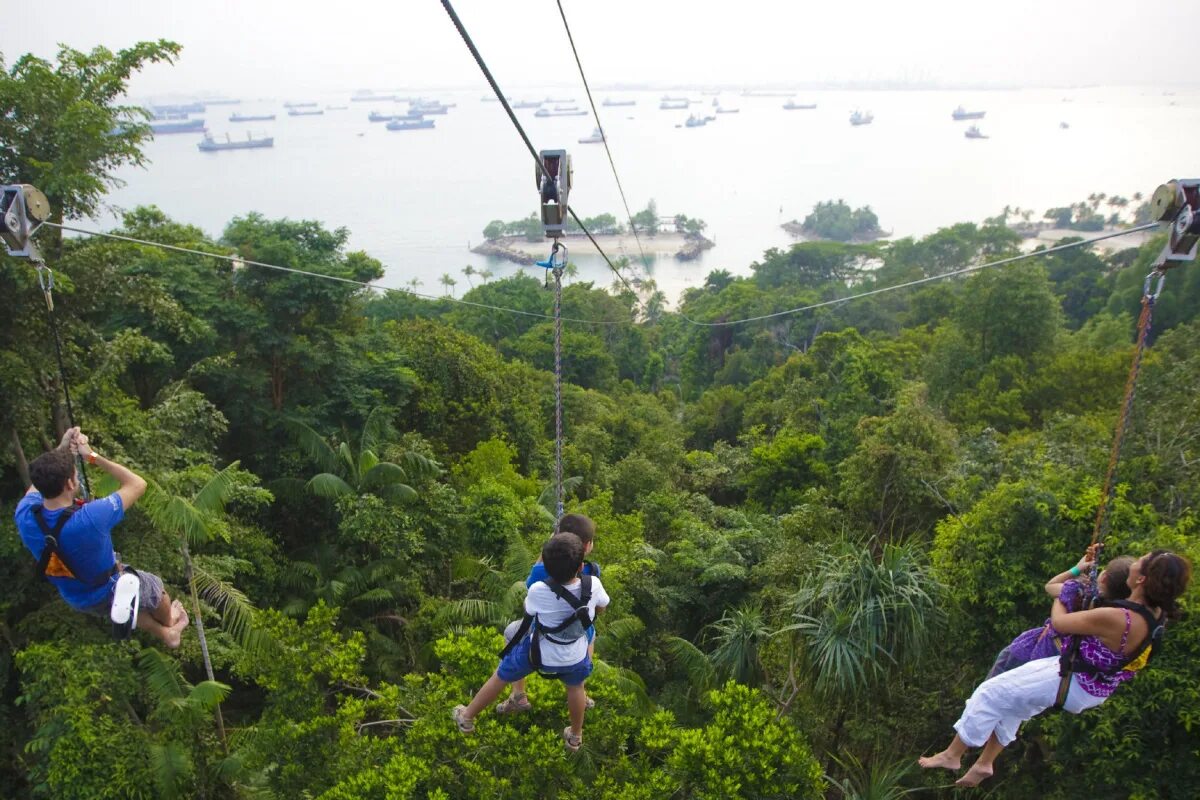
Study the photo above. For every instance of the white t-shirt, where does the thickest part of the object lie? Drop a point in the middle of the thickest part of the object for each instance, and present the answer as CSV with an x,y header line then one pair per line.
x,y
552,611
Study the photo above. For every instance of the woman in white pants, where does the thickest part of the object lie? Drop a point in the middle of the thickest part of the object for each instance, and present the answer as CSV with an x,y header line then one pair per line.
x,y
999,705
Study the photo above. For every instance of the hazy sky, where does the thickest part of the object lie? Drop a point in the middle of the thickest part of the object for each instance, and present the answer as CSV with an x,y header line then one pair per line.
x,y
278,47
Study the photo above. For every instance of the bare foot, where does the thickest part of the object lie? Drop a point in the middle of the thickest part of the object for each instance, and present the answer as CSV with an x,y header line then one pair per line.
x,y
976,775
177,612
942,760
174,634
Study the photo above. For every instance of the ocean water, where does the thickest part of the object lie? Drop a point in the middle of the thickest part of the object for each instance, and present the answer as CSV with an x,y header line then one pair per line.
x,y
418,199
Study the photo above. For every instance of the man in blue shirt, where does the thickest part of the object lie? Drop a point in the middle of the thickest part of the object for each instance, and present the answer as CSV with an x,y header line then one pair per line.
x,y
85,568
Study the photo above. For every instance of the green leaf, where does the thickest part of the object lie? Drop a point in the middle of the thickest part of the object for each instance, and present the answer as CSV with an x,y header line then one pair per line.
x,y
329,486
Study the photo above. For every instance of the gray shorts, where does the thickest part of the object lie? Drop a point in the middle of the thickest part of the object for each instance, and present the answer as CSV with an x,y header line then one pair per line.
x,y
150,592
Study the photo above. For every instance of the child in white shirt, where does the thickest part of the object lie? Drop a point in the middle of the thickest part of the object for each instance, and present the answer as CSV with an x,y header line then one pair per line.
x,y
556,642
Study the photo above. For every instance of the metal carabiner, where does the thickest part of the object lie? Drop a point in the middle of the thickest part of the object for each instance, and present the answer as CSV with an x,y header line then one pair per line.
x,y
46,281
553,263
1162,278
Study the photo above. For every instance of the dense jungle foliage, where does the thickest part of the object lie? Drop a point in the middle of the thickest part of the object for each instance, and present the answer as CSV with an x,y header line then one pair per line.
x,y
816,530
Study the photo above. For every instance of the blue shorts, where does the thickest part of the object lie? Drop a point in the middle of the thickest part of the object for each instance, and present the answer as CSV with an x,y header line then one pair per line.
x,y
515,666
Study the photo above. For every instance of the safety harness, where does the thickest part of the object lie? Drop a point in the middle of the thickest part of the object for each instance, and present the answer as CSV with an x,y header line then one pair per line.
x,y
569,631
1070,663
53,562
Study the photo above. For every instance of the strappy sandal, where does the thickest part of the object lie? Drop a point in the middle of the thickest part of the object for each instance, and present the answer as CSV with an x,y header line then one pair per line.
x,y
514,704
572,741
465,724
590,704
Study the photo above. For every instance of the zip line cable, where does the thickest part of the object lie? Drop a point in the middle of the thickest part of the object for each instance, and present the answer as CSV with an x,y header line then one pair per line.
x,y
826,303
237,260
929,279
603,135
46,281
487,73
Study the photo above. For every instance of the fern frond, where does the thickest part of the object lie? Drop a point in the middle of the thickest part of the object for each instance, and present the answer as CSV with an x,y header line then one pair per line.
x,y
468,611
171,766
329,486
207,695
238,614
312,443
215,494
419,467
695,663
377,430
623,630
161,676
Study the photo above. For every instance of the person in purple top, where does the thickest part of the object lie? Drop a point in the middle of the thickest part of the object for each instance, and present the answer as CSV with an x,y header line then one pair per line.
x,y
85,568
1108,636
1044,641
585,529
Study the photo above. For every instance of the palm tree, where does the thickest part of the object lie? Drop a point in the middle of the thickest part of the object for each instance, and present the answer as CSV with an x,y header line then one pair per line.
x,y
740,635
469,270
192,519
859,618
413,283
571,270
486,274
449,283
345,473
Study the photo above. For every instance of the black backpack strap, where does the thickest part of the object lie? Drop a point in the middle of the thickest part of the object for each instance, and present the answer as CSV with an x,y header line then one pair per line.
x,y
50,535
1154,630
1070,663
51,548
578,604
526,624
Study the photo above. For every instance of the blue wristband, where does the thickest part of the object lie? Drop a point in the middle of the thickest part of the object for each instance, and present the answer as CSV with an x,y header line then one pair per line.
x,y
1075,571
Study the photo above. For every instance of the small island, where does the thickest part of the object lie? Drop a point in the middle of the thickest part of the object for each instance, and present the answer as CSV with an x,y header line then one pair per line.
x,y
523,242
836,221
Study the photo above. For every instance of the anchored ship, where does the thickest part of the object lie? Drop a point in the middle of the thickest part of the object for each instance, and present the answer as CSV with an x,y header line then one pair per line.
x,y
961,113
209,144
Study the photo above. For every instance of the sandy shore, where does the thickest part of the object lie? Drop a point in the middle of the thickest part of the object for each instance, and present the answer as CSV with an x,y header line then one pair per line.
x,y
1052,236
664,244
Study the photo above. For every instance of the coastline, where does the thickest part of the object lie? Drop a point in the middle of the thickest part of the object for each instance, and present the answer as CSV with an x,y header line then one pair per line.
x,y
676,245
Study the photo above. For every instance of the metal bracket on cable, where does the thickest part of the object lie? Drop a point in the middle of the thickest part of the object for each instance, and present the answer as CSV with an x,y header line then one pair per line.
x,y
553,176
23,209
1177,203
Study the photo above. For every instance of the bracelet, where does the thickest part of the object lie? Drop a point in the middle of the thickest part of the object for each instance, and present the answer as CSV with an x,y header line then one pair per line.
x,y
1074,571
91,458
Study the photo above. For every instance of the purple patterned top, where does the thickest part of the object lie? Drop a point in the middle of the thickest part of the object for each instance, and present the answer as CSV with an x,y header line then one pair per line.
x,y
1096,653
1040,642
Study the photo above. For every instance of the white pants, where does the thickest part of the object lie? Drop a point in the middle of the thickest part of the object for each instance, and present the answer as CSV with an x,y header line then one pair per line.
x,y
1000,704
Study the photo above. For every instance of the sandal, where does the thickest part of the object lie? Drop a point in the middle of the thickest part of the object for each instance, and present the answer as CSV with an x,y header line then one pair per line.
x,y
465,724
590,704
514,704
571,741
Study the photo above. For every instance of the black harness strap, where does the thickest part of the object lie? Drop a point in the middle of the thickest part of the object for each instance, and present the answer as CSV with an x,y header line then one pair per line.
x,y
582,615
51,549
1070,663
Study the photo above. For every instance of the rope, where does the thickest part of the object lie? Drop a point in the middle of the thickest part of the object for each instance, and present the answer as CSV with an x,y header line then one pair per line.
x,y
46,282
558,409
487,73
1101,528
236,260
603,135
929,279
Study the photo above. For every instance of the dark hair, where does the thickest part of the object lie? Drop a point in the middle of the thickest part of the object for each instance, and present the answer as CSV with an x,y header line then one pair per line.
x,y
1116,585
1167,576
51,471
563,556
578,524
